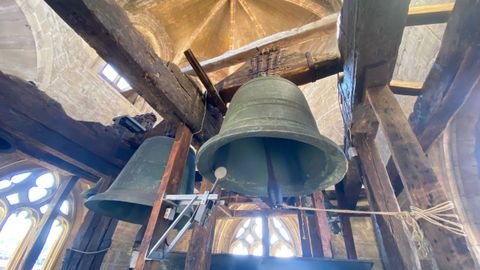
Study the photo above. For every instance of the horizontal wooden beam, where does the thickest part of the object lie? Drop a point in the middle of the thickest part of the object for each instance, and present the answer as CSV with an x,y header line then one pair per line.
x,y
296,67
279,40
431,14
42,130
106,28
406,88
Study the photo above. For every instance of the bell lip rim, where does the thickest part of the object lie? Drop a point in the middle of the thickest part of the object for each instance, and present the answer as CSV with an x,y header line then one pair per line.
x,y
92,204
339,170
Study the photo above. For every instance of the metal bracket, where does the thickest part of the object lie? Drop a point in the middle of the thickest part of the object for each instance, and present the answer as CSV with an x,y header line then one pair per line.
x,y
205,203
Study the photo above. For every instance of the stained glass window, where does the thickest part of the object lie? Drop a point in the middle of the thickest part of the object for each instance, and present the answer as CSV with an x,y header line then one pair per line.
x,y
24,198
249,234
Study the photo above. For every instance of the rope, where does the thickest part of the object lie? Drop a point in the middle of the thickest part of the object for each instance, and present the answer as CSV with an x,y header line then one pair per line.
x,y
204,114
89,252
435,215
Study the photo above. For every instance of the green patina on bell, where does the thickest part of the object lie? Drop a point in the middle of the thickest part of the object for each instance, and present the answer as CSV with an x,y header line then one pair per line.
x,y
130,197
269,139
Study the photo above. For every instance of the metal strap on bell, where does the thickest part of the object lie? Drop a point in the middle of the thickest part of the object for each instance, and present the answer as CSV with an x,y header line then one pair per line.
x,y
130,197
270,144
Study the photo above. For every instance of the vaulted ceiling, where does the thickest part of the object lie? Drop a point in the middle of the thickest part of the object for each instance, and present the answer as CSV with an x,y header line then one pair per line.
x,y
212,27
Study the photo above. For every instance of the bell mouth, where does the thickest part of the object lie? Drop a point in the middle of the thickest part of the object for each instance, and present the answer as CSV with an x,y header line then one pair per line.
x,y
7,143
292,159
134,210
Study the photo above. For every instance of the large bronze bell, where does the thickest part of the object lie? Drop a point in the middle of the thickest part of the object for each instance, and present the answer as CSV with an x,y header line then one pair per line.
x,y
130,197
269,143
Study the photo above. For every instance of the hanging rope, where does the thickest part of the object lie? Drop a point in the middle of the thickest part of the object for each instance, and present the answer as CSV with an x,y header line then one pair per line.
x,y
89,252
436,215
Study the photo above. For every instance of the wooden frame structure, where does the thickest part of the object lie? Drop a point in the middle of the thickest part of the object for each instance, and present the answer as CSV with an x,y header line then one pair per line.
x,y
370,35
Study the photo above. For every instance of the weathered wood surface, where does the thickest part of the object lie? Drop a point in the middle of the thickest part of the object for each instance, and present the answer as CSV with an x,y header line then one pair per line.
x,y
170,183
43,130
461,33
212,93
397,240
431,14
279,40
369,36
106,28
420,182
406,88
345,223
92,239
322,223
43,228
300,68
447,85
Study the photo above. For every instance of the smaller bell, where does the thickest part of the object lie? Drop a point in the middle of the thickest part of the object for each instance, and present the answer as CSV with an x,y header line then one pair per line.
x,y
130,197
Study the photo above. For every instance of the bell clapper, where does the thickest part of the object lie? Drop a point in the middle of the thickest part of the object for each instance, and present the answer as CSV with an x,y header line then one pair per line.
x,y
274,193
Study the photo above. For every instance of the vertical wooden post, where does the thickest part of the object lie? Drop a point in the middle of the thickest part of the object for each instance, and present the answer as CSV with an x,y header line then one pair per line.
x,y
170,183
397,239
322,223
421,184
94,236
43,229
345,222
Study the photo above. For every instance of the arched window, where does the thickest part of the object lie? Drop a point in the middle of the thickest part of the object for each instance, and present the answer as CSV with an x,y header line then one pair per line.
x,y
248,236
24,198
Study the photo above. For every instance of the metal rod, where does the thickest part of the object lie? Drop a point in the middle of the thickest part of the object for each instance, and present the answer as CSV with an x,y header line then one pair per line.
x,y
175,222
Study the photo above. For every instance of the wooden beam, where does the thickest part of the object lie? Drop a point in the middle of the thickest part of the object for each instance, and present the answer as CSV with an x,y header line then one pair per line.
x,y
458,37
300,68
369,36
212,93
406,88
43,130
106,28
200,249
345,223
447,84
170,183
322,223
279,40
397,240
43,228
92,240
431,14
424,189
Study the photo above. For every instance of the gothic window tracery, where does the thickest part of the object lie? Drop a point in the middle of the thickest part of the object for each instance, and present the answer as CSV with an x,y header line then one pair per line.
x,y
249,234
24,198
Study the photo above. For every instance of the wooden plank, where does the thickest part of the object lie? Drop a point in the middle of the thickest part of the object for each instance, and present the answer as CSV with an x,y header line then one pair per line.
x,y
397,240
322,223
369,36
43,130
345,221
106,28
279,40
200,249
212,93
95,228
420,182
431,14
43,228
297,67
438,91
170,183
406,88
459,35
